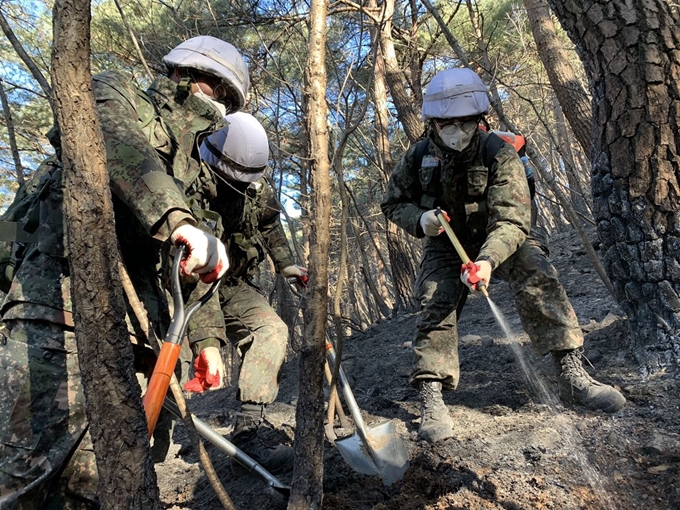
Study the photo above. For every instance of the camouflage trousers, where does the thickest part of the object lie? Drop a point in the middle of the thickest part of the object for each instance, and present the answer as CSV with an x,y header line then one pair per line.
x,y
46,455
261,338
542,304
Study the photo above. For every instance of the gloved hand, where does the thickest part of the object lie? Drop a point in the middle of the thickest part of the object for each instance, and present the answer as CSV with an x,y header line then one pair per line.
x,y
298,272
431,224
208,371
206,254
471,274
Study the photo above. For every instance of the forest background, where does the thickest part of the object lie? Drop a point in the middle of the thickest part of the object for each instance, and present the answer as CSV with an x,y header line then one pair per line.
x,y
613,163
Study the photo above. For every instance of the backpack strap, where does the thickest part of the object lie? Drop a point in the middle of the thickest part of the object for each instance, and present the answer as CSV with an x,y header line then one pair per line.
x,y
492,145
419,153
13,231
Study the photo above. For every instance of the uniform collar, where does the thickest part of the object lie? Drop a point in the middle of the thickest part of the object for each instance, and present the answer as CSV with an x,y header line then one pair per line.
x,y
164,92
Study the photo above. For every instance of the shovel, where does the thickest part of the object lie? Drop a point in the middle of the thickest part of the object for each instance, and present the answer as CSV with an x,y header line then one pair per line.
x,y
230,449
167,359
376,450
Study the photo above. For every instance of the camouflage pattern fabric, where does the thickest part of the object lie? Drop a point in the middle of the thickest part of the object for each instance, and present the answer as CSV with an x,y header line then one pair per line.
x,y
260,337
150,141
42,416
251,229
490,213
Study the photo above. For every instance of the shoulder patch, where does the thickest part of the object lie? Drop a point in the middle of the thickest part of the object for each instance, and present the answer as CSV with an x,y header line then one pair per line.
x,y
430,162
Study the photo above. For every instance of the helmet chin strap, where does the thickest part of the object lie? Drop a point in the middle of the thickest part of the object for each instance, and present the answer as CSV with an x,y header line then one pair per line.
x,y
184,84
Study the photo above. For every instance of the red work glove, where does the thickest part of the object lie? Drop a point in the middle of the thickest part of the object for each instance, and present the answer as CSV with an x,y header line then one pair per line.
x,y
208,371
206,254
471,274
297,272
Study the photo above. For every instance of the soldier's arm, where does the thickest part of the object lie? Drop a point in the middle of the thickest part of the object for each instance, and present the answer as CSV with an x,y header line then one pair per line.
x,y
399,204
509,206
137,175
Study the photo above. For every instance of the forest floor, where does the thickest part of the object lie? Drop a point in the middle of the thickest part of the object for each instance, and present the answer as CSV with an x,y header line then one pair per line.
x,y
514,448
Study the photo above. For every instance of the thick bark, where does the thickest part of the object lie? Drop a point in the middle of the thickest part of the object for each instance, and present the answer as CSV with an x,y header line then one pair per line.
x,y
630,51
114,408
570,93
307,488
7,114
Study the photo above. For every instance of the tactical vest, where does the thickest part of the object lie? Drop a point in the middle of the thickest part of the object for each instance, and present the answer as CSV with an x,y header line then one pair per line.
x,y
246,245
471,185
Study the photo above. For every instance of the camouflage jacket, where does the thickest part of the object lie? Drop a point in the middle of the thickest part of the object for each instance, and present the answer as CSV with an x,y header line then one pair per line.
x,y
250,222
489,208
151,140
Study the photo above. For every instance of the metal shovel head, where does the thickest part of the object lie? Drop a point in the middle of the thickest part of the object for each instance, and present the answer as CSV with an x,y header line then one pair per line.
x,y
390,453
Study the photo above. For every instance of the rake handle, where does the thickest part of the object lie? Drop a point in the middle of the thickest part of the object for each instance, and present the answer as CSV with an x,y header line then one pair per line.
x,y
456,244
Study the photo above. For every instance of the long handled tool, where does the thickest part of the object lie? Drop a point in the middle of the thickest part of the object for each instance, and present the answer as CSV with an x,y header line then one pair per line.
x,y
376,450
459,247
167,359
230,449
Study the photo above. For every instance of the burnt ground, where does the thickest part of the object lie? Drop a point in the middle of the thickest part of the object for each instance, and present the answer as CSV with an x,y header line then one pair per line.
x,y
514,448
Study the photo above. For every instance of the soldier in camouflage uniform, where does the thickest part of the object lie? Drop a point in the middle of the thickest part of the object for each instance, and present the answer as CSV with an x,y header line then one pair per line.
x,y
152,140
237,156
490,212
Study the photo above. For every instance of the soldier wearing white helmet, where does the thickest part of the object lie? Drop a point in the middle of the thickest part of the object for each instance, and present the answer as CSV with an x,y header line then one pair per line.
x,y
211,69
455,101
479,184
237,156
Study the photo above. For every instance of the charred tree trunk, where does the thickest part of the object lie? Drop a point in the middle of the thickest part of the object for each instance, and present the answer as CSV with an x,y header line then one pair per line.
x,y
114,407
630,52
307,489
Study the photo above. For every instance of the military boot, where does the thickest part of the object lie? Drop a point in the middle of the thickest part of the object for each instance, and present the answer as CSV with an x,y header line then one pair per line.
x,y
258,440
435,422
578,387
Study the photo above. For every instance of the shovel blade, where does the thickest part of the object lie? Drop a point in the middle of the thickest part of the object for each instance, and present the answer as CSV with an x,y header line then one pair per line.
x,y
390,453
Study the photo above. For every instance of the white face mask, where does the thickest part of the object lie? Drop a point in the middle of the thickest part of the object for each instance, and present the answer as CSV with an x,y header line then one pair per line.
x,y
220,108
458,136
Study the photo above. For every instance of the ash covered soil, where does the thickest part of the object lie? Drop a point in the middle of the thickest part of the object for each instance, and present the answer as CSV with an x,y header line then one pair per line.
x,y
515,447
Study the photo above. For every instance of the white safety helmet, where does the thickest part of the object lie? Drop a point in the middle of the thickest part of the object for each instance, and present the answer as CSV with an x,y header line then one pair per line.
x,y
239,151
214,57
458,92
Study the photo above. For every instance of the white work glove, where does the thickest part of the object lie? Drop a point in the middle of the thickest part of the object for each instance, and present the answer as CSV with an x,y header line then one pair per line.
x,y
298,272
208,371
474,273
431,224
206,254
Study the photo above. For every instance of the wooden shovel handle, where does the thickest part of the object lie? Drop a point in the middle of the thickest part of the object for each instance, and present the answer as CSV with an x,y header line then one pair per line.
x,y
159,383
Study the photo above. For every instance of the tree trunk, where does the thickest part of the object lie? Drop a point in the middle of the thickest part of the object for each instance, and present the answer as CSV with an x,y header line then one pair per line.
x,y
7,114
578,196
402,270
630,52
407,112
114,407
307,488
570,93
